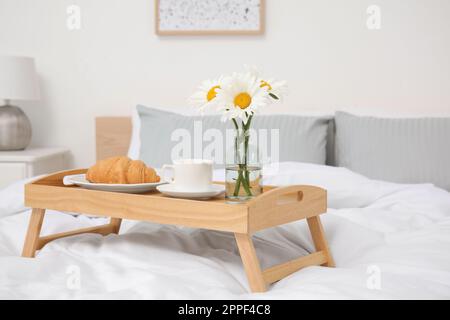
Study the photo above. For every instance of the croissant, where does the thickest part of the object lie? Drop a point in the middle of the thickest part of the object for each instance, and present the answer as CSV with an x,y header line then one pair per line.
x,y
121,170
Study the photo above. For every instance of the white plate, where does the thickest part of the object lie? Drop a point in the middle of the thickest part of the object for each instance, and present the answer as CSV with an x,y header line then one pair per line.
x,y
172,191
80,180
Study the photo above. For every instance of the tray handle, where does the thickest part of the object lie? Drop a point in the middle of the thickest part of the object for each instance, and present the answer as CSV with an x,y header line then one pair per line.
x,y
57,178
285,204
295,193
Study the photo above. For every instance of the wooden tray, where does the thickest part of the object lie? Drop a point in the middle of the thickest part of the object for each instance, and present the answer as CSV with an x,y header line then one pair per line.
x,y
275,206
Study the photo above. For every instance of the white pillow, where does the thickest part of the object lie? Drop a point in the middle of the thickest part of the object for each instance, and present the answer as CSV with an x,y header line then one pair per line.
x,y
302,138
408,150
135,144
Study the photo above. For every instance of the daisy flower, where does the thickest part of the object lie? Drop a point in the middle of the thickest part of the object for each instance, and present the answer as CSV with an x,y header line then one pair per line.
x,y
240,97
276,89
205,96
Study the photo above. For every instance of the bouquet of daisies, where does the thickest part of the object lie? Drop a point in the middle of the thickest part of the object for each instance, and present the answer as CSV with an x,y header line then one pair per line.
x,y
239,97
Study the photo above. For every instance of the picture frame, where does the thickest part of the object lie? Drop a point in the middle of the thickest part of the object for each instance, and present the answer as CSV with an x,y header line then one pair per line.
x,y
162,27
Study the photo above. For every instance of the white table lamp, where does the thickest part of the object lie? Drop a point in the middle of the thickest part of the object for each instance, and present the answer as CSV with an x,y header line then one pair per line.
x,y
18,81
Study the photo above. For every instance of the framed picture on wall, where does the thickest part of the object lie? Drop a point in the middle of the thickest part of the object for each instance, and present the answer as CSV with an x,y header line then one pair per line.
x,y
210,17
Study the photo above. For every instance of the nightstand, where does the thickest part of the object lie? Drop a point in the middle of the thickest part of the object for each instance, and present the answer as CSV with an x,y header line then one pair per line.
x,y
16,165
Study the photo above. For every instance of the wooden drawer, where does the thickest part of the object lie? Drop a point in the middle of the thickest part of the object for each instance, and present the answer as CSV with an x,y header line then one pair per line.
x,y
12,171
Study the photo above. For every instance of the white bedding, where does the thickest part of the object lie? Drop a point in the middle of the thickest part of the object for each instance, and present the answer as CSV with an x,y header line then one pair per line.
x,y
399,232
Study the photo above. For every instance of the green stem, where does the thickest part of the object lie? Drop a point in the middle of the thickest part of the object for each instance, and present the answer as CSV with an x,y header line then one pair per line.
x,y
243,173
247,126
245,180
238,184
235,124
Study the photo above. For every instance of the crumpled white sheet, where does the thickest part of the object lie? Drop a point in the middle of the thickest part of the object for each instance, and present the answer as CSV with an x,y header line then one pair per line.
x,y
397,234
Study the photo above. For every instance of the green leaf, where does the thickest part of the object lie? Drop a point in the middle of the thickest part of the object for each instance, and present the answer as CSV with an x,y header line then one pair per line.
x,y
274,96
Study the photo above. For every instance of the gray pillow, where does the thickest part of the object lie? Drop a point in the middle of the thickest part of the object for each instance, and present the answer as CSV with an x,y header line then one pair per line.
x,y
301,138
398,150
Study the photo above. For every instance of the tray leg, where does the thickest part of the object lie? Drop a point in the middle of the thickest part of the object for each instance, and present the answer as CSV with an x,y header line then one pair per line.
x,y
250,262
34,242
115,223
320,242
34,229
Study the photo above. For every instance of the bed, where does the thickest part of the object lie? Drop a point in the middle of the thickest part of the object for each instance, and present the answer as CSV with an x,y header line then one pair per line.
x,y
389,241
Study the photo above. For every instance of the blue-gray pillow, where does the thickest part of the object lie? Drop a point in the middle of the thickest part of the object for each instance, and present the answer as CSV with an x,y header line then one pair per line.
x,y
413,150
301,138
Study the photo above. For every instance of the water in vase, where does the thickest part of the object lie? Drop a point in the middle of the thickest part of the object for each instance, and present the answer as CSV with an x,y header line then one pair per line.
x,y
242,182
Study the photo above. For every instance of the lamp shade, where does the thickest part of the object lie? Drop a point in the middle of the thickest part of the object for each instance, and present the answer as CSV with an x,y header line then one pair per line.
x,y
18,78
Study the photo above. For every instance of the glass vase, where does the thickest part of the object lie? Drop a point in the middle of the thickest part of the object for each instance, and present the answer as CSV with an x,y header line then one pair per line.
x,y
243,169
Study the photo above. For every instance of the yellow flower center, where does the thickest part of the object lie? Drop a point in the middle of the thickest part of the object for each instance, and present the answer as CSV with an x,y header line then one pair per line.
x,y
265,84
212,93
242,100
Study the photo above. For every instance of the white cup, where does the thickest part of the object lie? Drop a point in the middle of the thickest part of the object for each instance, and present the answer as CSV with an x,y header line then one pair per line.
x,y
190,174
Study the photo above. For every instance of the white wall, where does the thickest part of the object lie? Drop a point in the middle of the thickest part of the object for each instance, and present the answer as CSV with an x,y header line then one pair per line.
x,y
323,48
